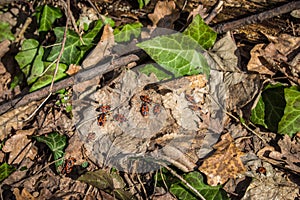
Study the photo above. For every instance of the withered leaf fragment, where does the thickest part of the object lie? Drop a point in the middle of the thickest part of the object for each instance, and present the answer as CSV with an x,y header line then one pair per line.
x,y
224,164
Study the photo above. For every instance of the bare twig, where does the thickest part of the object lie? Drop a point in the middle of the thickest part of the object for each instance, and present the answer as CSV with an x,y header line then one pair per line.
x,y
25,26
100,69
217,9
257,18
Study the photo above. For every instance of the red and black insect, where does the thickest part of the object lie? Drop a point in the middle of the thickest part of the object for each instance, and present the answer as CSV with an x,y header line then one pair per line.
x,y
104,108
261,170
68,166
101,119
146,99
156,109
120,118
144,109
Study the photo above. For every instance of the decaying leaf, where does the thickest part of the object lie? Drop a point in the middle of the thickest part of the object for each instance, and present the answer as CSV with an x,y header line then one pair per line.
x,y
18,146
278,50
225,163
273,186
162,11
15,118
288,157
199,10
102,49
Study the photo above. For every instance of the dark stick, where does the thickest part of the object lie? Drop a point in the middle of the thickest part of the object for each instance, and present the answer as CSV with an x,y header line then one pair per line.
x,y
257,18
97,70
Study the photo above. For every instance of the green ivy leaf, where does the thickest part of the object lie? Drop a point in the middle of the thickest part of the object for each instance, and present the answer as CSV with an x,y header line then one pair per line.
x,y
5,32
73,51
177,53
258,113
271,109
195,179
124,33
30,60
5,171
47,17
47,77
149,68
201,32
56,143
143,3
290,122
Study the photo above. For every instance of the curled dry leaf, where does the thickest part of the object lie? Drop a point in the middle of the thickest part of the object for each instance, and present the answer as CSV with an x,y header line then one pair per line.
x,y
278,50
163,9
73,69
288,157
225,163
17,146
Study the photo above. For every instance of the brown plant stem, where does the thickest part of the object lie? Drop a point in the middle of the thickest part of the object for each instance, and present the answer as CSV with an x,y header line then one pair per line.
x,y
256,18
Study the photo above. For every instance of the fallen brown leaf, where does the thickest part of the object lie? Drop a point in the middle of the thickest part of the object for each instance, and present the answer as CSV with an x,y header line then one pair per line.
x,y
102,49
162,10
288,157
225,163
17,146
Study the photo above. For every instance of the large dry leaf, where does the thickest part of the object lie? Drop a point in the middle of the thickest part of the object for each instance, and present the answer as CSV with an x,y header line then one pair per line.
x,y
164,10
225,163
174,133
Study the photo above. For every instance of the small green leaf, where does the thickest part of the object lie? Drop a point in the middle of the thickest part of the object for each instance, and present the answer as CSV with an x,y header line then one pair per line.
x,y
48,16
149,68
73,51
143,3
177,53
56,143
5,32
195,179
5,171
290,122
30,60
126,32
201,32
258,113
270,111
99,179
46,79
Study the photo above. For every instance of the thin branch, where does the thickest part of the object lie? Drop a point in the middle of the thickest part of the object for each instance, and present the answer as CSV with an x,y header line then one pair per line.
x,y
101,69
257,18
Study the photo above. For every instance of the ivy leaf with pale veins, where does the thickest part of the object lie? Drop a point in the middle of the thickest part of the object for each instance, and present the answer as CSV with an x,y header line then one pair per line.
x,y
124,33
30,60
225,163
46,79
195,179
290,122
74,50
56,143
47,17
201,32
177,53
